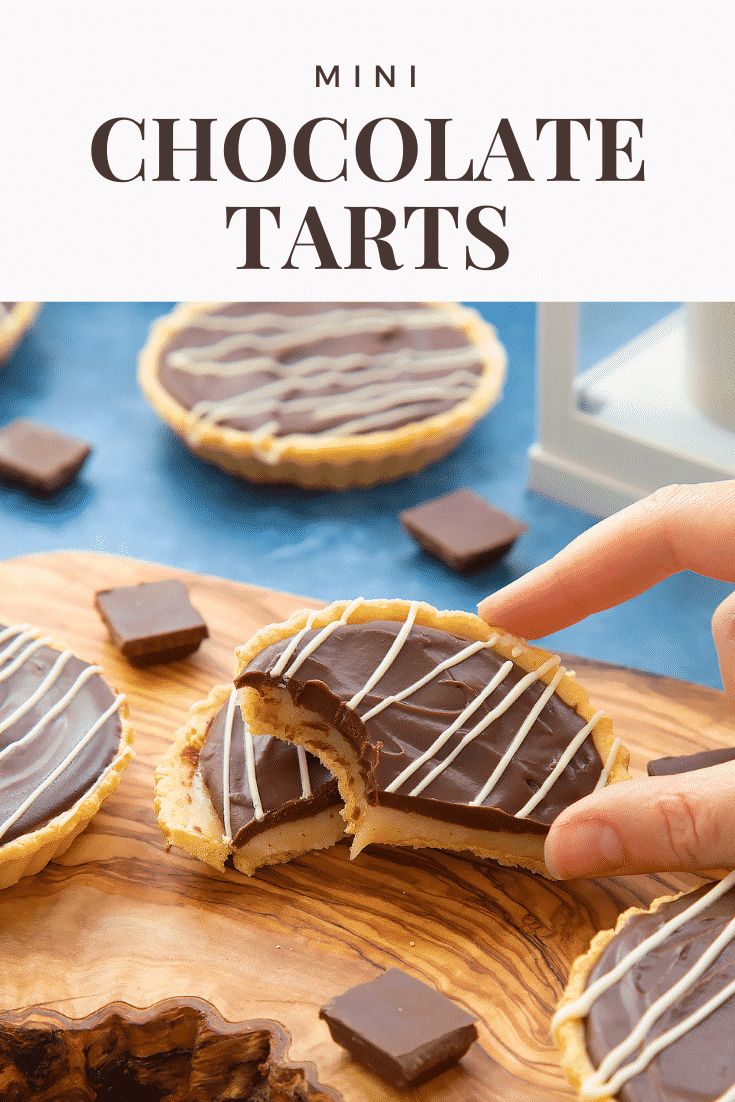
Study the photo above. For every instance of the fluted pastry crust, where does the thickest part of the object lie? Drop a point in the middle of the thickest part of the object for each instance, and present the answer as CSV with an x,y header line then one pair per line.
x,y
28,853
326,461
13,324
658,1009
188,818
270,709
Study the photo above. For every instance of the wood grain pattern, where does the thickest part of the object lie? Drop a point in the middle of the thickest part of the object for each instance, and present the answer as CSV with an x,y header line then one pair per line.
x,y
120,919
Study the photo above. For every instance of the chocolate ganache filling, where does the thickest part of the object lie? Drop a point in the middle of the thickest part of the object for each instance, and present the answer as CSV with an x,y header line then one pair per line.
x,y
700,1065
257,782
59,731
320,368
406,759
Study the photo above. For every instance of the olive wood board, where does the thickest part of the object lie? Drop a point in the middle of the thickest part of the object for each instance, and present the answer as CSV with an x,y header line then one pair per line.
x,y
120,919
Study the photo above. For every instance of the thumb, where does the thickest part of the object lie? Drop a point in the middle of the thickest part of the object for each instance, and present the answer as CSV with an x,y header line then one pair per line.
x,y
656,824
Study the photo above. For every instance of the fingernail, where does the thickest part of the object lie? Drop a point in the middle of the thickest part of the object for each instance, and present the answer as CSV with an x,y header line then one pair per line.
x,y
590,849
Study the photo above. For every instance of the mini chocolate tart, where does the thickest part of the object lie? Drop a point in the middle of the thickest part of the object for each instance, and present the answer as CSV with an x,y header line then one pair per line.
x,y
15,319
223,793
325,394
64,743
180,1050
649,1011
440,730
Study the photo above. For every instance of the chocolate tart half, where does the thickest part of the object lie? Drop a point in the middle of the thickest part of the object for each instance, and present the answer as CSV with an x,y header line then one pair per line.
x,y
328,395
649,1011
15,319
440,730
174,1051
225,795
64,742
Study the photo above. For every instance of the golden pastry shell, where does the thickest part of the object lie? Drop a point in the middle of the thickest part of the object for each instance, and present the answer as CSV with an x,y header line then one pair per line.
x,y
312,462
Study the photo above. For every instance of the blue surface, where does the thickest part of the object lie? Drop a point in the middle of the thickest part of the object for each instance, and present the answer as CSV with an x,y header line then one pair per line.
x,y
144,495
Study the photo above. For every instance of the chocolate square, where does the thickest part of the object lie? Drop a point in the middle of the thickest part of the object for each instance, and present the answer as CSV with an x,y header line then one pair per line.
x,y
687,763
38,458
462,529
400,1028
152,622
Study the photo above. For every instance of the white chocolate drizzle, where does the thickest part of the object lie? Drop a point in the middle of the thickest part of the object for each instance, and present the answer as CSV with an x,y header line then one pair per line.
x,y
304,773
609,762
285,671
59,706
7,633
379,403
21,658
445,665
306,327
387,662
10,661
87,737
445,736
318,638
560,766
33,699
598,1085
227,741
369,395
247,735
518,740
280,665
250,768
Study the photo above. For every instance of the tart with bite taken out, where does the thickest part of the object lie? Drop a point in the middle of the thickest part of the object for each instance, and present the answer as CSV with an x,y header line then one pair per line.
x,y
441,731
226,795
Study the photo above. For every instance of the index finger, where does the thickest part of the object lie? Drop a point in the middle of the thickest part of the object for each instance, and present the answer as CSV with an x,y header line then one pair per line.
x,y
676,528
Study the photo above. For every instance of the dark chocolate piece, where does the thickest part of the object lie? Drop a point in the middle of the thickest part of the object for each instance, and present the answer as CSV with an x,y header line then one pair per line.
x,y
699,1066
462,529
348,657
400,1028
38,458
687,763
281,793
28,664
152,622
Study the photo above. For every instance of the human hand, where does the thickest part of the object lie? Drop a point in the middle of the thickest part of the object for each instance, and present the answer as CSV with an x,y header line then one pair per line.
x,y
685,822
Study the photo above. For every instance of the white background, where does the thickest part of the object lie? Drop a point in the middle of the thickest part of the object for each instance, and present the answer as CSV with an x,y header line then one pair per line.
x,y
67,233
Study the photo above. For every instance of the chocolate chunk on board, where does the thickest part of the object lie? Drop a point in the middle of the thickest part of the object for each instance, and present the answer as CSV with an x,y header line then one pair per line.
x,y
687,763
462,529
38,458
152,622
400,1028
